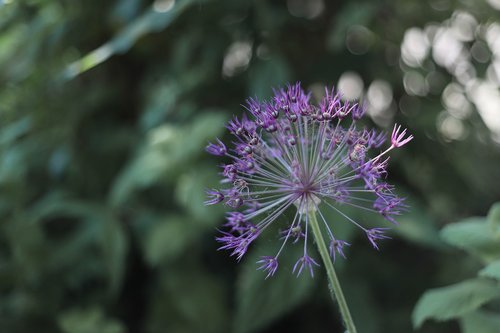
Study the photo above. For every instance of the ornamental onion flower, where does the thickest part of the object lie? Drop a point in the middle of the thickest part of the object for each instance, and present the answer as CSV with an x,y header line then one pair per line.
x,y
289,153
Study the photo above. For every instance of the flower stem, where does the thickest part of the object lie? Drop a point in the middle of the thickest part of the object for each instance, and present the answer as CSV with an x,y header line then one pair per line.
x,y
335,289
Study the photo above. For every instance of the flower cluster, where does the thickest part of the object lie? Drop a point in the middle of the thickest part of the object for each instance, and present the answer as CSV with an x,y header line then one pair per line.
x,y
288,152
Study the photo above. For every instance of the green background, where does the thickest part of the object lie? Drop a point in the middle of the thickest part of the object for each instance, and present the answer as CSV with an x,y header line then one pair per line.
x,y
105,110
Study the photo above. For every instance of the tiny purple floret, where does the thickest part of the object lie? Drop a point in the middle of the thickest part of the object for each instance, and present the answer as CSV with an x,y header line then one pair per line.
x,y
217,149
213,197
305,262
337,246
397,139
268,264
375,234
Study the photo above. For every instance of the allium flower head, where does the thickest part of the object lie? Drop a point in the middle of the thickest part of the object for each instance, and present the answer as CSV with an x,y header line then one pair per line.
x,y
288,152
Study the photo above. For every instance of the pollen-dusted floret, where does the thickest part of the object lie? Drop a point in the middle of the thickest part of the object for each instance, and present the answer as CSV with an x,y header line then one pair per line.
x,y
290,154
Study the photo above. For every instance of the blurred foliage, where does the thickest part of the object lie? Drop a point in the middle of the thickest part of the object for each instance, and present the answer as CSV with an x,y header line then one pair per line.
x,y
105,107
472,301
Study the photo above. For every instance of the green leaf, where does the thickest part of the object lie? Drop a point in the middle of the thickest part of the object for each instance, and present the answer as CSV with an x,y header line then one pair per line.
x,y
364,305
190,193
265,74
480,322
168,239
151,21
418,226
165,154
260,300
491,271
161,100
98,226
494,218
88,321
114,244
16,129
189,298
454,301
475,236
28,247
351,14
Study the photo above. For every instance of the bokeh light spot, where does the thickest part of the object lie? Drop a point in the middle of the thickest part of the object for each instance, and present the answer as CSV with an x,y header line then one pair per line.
x,y
351,85
237,58
163,6
415,47
359,39
309,9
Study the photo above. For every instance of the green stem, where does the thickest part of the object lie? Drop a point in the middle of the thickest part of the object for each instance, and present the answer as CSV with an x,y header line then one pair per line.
x,y
335,289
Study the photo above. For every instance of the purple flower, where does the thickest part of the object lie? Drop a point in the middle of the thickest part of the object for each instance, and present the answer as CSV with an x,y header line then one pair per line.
x,y
230,172
376,234
372,171
292,155
397,139
237,223
234,198
238,244
268,264
214,197
330,105
217,149
358,112
389,205
305,262
294,232
235,126
375,139
337,246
